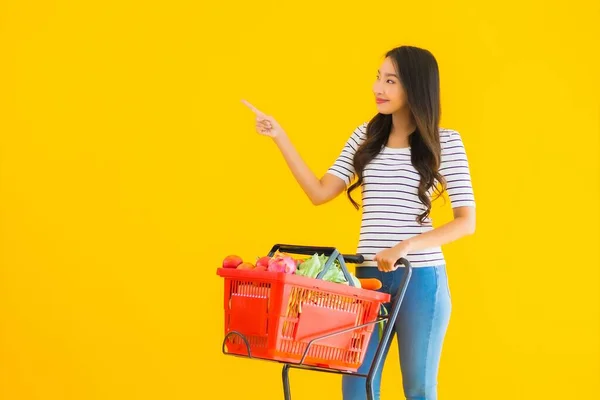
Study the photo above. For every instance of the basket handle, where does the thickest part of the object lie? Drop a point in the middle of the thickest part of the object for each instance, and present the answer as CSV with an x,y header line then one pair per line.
x,y
331,252
310,250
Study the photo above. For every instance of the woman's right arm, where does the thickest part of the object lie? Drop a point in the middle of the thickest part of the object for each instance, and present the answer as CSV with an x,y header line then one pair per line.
x,y
319,191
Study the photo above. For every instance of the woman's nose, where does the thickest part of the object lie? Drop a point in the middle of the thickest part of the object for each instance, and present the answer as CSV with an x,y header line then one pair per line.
x,y
376,89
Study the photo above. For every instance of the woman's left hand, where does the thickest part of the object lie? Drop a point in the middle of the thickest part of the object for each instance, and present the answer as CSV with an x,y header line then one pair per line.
x,y
386,259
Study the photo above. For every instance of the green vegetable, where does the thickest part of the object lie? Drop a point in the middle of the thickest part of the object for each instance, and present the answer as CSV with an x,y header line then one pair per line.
x,y
314,265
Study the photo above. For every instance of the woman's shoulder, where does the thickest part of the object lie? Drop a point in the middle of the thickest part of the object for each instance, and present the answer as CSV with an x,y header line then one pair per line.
x,y
360,132
362,129
449,137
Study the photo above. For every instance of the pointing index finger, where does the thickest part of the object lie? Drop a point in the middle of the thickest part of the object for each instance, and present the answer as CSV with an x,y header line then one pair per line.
x,y
250,106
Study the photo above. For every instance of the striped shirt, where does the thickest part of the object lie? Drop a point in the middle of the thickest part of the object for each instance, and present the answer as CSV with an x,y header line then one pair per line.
x,y
390,194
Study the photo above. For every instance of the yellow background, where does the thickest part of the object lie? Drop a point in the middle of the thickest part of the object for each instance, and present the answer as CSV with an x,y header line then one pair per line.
x,y
130,168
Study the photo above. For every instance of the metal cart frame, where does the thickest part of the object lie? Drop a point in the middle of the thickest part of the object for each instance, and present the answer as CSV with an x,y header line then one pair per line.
x,y
390,319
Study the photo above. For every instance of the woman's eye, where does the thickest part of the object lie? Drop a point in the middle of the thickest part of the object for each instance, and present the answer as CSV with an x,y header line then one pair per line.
x,y
390,81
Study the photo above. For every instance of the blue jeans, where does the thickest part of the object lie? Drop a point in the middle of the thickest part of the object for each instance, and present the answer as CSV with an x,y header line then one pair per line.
x,y
420,329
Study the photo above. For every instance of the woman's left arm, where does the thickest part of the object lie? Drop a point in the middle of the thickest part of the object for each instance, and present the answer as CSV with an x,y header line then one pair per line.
x,y
463,224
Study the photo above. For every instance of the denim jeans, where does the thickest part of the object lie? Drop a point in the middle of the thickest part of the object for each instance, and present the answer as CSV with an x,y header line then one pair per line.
x,y
420,329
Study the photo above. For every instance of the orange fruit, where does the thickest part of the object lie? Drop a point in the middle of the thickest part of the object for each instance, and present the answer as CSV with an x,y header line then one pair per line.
x,y
245,265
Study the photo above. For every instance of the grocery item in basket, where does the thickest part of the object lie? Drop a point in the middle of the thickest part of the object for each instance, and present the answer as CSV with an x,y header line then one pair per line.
x,y
297,260
263,262
245,265
370,283
314,265
232,261
284,264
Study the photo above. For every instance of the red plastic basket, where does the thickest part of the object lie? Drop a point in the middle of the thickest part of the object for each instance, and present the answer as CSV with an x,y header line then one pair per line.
x,y
279,314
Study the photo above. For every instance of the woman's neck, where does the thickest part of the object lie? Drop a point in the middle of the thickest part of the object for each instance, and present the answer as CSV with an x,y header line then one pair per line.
x,y
402,126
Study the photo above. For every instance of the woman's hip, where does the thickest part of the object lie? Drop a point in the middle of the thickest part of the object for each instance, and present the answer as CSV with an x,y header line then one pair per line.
x,y
426,284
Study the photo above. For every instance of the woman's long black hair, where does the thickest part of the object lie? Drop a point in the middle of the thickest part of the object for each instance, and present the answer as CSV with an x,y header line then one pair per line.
x,y
419,75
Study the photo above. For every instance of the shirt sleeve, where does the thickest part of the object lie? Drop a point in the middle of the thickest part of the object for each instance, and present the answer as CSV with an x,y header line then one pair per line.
x,y
343,167
455,169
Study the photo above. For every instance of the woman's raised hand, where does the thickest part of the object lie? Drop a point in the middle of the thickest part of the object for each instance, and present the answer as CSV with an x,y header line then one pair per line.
x,y
265,124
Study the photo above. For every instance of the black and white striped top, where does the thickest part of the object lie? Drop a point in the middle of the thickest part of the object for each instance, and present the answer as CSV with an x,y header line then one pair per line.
x,y
389,194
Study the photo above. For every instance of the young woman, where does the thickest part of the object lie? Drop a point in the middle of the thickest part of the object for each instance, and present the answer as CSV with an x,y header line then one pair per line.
x,y
401,159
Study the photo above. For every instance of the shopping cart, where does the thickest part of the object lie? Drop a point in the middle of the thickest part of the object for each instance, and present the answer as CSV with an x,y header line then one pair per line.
x,y
307,323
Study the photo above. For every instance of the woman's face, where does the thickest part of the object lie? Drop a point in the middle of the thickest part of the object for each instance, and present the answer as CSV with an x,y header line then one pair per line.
x,y
389,93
